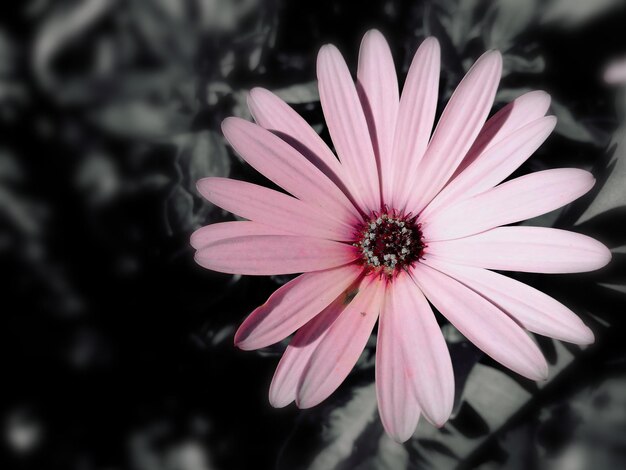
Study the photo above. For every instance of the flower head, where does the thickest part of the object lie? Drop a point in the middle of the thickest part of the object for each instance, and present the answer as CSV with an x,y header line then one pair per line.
x,y
405,217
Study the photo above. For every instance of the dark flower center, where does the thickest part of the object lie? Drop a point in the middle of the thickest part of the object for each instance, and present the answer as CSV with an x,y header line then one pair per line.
x,y
389,242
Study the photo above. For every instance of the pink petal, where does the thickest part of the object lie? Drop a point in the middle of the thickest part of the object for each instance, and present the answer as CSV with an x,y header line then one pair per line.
x,y
517,114
533,309
378,90
490,329
395,373
274,114
459,125
294,304
274,254
519,199
494,164
348,127
212,233
285,166
296,357
411,327
335,356
416,116
528,249
270,207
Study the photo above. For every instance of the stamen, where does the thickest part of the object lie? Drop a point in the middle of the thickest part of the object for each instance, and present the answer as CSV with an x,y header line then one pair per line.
x,y
389,242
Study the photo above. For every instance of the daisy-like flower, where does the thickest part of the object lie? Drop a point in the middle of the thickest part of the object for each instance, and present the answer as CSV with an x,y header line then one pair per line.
x,y
406,217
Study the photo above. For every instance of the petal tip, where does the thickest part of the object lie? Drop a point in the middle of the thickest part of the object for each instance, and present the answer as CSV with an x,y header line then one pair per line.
x,y
276,401
439,423
438,420
604,256
431,47
551,122
400,438
542,98
492,59
193,240
203,187
326,49
587,337
199,260
256,95
373,33
228,125
305,403
257,91
241,341
543,374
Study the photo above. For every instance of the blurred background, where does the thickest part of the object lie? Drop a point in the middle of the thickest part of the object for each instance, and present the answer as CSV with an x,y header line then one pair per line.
x,y
118,350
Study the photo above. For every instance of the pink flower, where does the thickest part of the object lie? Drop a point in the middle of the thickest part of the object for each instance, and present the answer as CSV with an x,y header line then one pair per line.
x,y
403,219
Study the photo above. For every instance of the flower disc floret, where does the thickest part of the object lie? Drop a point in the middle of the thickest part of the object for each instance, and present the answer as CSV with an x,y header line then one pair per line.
x,y
389,243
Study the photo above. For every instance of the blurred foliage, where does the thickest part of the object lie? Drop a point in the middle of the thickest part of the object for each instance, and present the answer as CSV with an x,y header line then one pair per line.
x,y
118,349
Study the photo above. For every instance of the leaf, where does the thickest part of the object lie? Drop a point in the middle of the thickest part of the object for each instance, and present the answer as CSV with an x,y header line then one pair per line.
x,y
98,177
573,128
451,58
325,437
10,170
610,192
140,119
455,19
179,210
574,13
389,455
200,154
61,28
19,213
203,154
301,93
505,19
512,63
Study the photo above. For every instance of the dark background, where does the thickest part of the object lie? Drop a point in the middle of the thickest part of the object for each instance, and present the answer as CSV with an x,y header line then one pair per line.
x,y
117,349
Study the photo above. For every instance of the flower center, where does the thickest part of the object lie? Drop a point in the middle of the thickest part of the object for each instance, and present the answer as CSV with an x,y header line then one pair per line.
x,y
389,242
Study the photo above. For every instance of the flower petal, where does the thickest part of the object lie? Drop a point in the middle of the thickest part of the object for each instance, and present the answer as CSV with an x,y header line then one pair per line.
x,y
377,85
397,404
458,126
494,165
490,329
416,116
296,357
528,249
410,324
337,353
274,254
294,304
517,114
272,113
519,199
285,166
214,232
534,310
272,208
348,127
